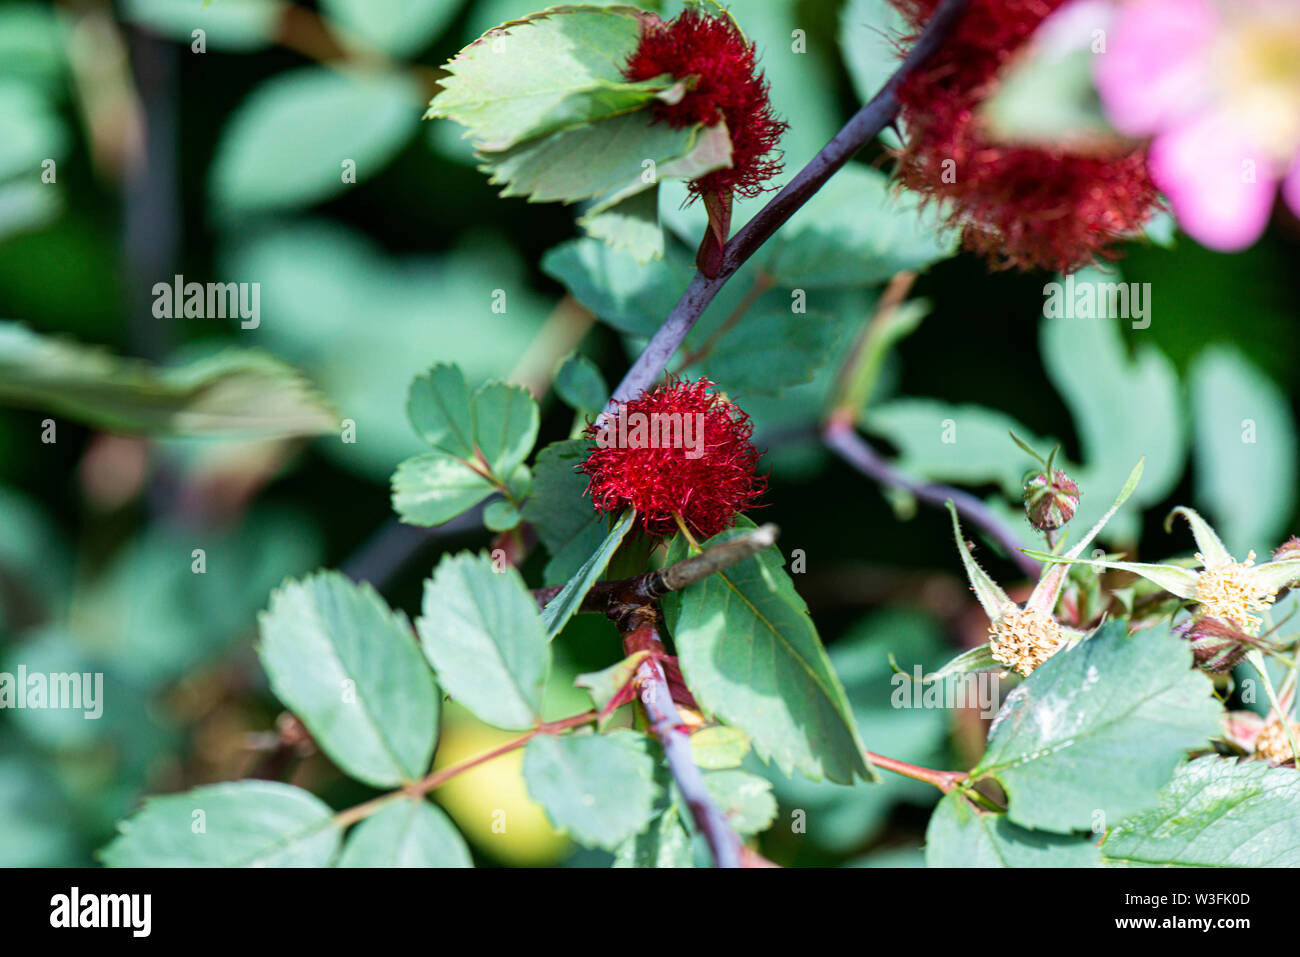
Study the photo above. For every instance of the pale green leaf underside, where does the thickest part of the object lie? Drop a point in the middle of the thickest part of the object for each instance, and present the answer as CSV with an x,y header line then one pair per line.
x,y
481,631
544,73
237,824
409,833
598,787
349,668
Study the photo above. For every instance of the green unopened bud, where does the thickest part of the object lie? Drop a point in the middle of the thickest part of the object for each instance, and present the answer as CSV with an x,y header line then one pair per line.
x,y
1049,504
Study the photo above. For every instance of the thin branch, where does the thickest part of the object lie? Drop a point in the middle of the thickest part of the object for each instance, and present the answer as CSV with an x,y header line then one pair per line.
x,y
613,597
865,125
844,440
436,779
665,724
945,781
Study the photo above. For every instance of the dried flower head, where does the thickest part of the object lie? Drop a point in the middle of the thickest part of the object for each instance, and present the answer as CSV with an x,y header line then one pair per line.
x,y
1230,591
728,87
677,451
1272,744
1023,638
1022,206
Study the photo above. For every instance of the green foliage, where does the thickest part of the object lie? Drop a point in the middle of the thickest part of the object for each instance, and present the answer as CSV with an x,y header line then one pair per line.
x,y
398,27
482,633
237,25
579,383
347,667
599,788
1245,450
241,824
1216,812
293,139
961,835
228,394
566,523
409,833
480,441
751,654
563,606
855,232
745,799
1098,729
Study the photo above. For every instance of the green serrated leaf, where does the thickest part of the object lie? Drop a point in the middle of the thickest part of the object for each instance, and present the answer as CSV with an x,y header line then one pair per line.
x,y
237,824
435,488
441,409
563,606
409,833
959,835
1216,812
481,631
598,787
347,666
1099,728
750,654
546,72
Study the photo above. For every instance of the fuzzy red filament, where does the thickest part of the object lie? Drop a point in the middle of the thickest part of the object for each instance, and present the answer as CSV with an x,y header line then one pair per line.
x,y
728,88
1017,205
679,450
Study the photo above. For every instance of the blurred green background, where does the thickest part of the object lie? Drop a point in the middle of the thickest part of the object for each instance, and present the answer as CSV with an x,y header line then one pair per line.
x,y
222,165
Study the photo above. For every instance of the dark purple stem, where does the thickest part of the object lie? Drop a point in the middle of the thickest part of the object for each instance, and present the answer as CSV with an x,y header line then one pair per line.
x,y
865,125
844,440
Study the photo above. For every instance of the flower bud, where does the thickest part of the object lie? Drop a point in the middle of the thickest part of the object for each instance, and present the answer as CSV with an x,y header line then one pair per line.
x,y
1217,646
1287,550
1049,504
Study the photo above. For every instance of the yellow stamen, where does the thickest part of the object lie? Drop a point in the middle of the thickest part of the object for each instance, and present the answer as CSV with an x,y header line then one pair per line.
x,y
1272,744
1228,592
1023,638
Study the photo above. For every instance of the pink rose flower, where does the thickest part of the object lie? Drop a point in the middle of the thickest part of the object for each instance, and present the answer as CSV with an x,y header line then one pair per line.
x,y
1216,86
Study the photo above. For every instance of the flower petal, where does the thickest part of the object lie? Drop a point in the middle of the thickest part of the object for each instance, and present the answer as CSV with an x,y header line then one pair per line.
x,y
1207,541
1221,187
1156,67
